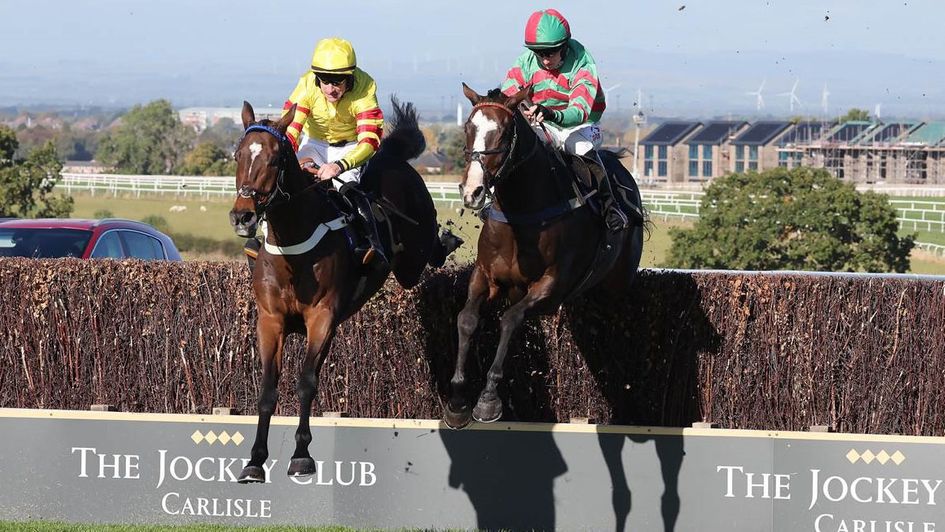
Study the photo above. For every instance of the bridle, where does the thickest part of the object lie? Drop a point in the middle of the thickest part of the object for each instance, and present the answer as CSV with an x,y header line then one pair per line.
x,y
264,202
508,149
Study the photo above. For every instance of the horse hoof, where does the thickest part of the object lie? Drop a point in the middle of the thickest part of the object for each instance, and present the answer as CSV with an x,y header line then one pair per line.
x,y
456,419
488,411
301,467
252,475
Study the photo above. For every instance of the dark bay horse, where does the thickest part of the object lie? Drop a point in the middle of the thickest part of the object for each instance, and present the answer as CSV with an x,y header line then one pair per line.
x,y
539,246
307,278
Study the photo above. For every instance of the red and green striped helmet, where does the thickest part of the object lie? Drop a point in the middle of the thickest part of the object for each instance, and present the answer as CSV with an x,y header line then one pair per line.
x,y
546,29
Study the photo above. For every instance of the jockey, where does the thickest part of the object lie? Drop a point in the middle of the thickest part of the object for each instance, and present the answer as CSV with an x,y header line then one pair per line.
x,y
568,100
338,125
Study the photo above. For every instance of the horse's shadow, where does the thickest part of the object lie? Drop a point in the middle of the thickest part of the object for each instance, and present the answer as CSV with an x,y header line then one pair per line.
x,y
509,481
643,354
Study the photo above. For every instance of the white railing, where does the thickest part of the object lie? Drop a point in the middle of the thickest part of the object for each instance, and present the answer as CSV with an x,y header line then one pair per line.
x,y
935,249
684,204
136,185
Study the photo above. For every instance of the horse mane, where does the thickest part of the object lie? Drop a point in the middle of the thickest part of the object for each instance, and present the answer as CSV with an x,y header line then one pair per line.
x,y
405,140
495,95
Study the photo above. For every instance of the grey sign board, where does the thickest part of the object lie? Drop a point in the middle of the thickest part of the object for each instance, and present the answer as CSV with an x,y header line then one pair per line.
x,y
172,469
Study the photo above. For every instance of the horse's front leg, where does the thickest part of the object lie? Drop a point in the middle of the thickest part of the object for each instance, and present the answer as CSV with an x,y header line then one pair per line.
x,y
457,414
538,298
320,329
271,333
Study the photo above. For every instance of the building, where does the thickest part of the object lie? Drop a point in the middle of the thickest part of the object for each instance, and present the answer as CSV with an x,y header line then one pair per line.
x,y
708,154
896,152
756,148
200,118
664,153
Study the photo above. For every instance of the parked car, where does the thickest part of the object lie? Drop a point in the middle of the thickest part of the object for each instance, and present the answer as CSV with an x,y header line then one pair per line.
x,y
110,238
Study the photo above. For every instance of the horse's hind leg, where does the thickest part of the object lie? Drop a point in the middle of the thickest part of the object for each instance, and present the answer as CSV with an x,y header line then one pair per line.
x,y
320,326
457,414
489,406
271,337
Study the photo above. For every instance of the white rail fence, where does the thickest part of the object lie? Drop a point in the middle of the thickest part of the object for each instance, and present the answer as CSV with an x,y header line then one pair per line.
x,y
913,214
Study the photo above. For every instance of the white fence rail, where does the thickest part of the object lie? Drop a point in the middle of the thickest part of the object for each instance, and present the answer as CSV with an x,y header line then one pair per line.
x,y
935,249
682,204
136,185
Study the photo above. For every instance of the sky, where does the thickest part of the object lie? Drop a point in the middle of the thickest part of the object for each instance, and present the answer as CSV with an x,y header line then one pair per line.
x,y
689,57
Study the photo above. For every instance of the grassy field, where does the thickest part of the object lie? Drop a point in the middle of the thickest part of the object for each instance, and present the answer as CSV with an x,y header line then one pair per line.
x,y
209,218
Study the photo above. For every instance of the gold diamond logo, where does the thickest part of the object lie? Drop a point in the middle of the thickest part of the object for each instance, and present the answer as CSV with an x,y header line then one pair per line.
x,y
224,438
867,457
882,457
237,438
853,456
210,437
898,457
197,437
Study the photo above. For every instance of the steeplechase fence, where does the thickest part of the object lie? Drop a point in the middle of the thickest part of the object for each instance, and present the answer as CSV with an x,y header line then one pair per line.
x,y
770,351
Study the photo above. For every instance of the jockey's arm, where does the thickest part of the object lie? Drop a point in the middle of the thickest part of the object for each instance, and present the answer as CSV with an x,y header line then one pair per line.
x,y
301,96
369,128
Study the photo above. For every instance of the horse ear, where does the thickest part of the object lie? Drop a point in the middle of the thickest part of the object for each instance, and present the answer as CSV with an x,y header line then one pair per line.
x,y
525,93
283,124
249,116
471,94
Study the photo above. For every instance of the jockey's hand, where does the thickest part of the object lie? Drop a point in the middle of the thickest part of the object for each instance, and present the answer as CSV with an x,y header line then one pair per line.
x,y
328,171
539,113
309,166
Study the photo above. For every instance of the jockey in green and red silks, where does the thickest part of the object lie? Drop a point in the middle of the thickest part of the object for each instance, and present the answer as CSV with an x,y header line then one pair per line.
x,y
567,92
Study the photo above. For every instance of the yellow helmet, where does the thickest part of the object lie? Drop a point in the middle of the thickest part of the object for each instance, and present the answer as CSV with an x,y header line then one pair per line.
x,y
334,56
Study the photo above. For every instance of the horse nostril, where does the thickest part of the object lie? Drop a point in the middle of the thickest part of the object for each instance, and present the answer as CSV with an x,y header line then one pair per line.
x,y
248,218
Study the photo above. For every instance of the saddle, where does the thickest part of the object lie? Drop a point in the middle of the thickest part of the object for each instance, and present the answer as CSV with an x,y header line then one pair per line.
x,y
588,175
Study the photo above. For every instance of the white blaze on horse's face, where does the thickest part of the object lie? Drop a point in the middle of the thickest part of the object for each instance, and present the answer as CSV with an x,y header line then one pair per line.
x,y
254,151
475,175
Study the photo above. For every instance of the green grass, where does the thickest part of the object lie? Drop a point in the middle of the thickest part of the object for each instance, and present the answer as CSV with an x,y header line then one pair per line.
x,y
213,222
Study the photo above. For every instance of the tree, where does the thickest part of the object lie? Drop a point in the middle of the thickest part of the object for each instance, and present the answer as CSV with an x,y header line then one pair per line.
x,y
26,185
800,219
452,144
207,159
8,145
148,140
859,115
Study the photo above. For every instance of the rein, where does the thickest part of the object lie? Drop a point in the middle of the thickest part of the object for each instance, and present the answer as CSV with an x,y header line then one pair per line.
x,y
509,149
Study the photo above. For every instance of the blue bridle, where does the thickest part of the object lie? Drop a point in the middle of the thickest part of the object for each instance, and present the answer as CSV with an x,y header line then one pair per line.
x,y
246,191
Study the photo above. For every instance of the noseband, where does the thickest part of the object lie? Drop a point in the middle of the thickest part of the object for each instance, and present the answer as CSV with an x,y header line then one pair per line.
x,y
508,149
264,202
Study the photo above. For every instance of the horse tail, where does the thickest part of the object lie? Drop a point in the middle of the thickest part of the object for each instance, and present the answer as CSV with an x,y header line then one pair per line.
x,y
405,141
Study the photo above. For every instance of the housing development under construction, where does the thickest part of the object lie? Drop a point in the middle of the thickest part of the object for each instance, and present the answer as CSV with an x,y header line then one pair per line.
x,y
908,152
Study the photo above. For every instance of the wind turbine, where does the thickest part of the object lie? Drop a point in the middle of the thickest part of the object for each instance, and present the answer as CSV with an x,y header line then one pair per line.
x,y
824,99
759,99
792,96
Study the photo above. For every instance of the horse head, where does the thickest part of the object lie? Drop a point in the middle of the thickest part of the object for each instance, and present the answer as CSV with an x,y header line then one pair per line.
x,y
262,156
491,135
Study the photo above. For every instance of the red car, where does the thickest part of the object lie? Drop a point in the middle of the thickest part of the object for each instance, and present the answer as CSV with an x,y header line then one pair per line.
x,y
111,238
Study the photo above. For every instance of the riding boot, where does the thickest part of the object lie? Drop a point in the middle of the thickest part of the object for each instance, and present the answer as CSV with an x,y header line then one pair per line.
x,y
617,215
614,218
374,252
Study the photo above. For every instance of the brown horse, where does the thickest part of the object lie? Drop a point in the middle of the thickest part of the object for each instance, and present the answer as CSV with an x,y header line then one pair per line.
x,y
540,245
307,278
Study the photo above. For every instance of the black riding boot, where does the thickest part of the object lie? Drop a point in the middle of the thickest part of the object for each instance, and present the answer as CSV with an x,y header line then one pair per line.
x,y
614,218
374,252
